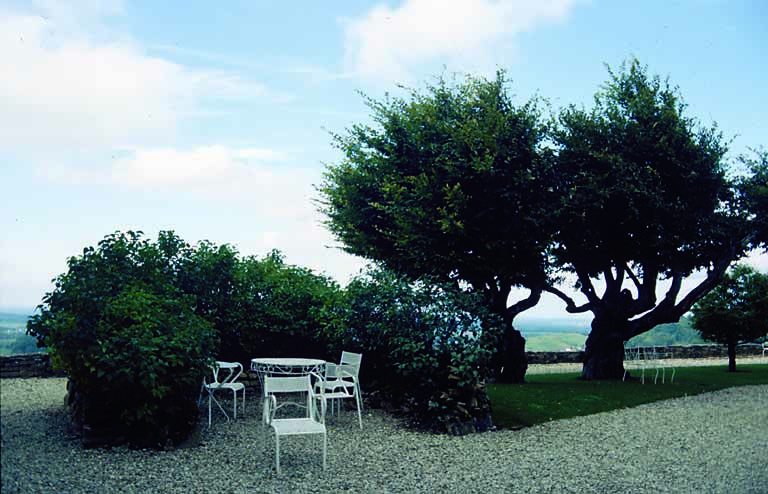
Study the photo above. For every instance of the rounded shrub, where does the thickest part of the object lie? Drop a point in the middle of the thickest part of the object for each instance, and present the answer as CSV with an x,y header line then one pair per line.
x,y
130,342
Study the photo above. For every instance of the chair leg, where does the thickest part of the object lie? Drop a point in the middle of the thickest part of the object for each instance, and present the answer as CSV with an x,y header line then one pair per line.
x,y
357,391
325,449
359,406
277,452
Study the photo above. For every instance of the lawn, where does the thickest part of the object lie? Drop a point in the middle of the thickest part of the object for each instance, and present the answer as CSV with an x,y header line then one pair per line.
x,y
546,397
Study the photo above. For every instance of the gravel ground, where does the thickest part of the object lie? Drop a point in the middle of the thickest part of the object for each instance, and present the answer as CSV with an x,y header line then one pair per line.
x,y
710,443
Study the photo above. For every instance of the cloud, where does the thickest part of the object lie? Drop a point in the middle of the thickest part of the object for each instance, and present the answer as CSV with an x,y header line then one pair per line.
x,y
202,165
212,171
67,86
389,42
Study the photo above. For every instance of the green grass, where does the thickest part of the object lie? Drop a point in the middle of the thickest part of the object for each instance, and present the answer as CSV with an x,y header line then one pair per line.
x,y
547,397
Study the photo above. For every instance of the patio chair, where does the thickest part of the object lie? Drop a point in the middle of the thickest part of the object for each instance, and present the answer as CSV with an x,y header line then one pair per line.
x,y
633,357
765,348
228,382
282,392
341,381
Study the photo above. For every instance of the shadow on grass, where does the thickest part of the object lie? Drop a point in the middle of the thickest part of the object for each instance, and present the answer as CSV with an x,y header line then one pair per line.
x,y
547,397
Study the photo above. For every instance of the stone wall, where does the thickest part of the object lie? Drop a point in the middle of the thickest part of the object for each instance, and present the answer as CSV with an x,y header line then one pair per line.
x,y
26,365
676,352
39,364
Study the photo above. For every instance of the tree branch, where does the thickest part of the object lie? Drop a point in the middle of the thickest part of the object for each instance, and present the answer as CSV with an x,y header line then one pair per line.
x,y
634,278
667,311
587,288
525,304
570,305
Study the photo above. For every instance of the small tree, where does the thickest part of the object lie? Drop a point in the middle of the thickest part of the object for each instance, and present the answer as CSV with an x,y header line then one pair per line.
x,y
735,312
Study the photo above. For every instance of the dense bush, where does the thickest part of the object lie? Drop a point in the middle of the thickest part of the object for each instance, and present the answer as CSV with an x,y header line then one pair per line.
x,y
136,324
260,307
128,339
427,347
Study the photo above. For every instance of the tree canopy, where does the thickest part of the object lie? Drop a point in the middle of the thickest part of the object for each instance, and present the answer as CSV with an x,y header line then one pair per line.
x,y
450,183
645,197
628,198
734,312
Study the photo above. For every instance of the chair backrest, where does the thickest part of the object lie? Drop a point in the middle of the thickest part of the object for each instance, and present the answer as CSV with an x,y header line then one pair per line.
x,y
297,392
234,369
350,363
290,384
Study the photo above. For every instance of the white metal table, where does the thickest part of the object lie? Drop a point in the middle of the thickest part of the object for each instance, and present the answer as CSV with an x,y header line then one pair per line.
x,y
287,366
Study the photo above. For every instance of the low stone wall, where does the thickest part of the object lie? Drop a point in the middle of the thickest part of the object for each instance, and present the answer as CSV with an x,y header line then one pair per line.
x,y
27,365
39,364
676,352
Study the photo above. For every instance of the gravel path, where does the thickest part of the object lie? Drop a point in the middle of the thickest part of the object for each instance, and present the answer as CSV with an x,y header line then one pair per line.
x,y
710,443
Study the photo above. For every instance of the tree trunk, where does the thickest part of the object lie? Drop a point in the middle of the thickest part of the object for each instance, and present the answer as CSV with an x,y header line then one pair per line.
x,y
732,356
513,361
604,351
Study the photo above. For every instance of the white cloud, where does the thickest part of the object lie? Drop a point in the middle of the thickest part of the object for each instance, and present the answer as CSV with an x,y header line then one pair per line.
x,y
64,89
264,175
389,42
204,165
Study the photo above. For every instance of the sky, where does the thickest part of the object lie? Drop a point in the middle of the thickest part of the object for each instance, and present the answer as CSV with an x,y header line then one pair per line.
x,y
214,119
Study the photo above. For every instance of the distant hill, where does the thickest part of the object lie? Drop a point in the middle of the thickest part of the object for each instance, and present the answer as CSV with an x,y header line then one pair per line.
x,y
553,335
13,334
562,334
679,333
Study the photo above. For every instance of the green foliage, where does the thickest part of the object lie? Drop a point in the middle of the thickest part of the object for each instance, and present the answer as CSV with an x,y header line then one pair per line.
x,y
736,311
753,190
453,182
128,339
641,182
449,183
427,346
286,308
645,196
547,397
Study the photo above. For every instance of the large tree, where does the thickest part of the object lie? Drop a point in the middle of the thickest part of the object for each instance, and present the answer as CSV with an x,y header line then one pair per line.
x,y
736,311
451,182
645,199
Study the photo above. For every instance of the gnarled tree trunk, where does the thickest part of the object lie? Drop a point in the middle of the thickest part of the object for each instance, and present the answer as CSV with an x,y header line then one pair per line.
x,y
731,356
513,359
604,351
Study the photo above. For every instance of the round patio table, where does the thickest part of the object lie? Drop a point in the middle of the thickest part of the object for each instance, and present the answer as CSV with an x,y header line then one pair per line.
x,y
287,366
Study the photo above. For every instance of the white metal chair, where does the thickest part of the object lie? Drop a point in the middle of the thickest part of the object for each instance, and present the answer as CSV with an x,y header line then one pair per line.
x,y
229,382
282,392
341,381
633,358
765,348
647,358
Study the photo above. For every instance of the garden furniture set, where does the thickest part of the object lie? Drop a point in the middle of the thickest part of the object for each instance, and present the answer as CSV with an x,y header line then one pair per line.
x,y
295,393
